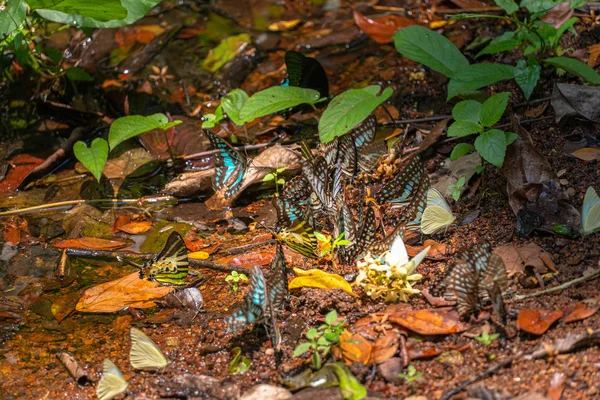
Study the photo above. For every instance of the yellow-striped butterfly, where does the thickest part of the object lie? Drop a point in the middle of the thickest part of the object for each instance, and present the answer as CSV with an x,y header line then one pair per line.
x,y
112,382
170,266
144,353
437,214
293,229
590,213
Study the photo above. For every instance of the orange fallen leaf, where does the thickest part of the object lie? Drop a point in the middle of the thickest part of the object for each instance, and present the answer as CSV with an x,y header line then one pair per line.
x,y
582,310
437,251
281,26
248,260
594,51
537,322
126,36
187,33
587,153
559,14
90,243
430,321
354,348
129,291
384,348
381,29
12,232
111,83
557,385
136,227
193,242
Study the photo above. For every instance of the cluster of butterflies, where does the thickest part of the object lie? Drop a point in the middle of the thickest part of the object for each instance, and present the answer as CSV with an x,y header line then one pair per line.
x,y
144,355
476,278
265,298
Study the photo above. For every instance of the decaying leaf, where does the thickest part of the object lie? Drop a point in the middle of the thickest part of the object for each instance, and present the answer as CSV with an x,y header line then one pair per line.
x,y
437,251
129,291
582,310
381,29
123,223
90,243
529,258
576,101
319,279
354,348
430,321
559,14
385,347
587,153
537,322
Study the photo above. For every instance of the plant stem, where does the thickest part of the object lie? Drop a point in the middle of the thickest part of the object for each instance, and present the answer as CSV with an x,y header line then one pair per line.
x,y
565,285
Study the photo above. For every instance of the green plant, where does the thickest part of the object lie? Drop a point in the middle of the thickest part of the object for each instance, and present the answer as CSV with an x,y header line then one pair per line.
x,y
238,364
486,338
411,374
456,188
327,246
274,176
234,279
473,117
321,339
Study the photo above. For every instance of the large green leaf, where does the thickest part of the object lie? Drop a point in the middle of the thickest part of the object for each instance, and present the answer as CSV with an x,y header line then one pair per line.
x,y
78,74
225,51
477,76
491,145
431,49
575,67
93,157
136,9
127,127
492,109
527,76
349,109
106,11
233,104
276,98
12,17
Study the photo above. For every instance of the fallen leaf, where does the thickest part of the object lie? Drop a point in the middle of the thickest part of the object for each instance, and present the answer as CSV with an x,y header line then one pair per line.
x,y
576,101
587,153
582,310
282,26
594,51
537,322
198,255
535,112
526,259
354,348
430,321
247,260
381,29
193,242
557,384
558,15
437,251
124,223
90,243
319,279
129,291
111,83
384,348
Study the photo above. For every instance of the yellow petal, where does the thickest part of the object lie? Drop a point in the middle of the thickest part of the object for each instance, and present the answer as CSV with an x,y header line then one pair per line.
x,y
198,255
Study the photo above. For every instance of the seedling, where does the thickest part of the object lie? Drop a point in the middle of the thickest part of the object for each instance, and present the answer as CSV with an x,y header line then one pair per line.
x,y
321,339
456,188
411,374
486,338
234,279
328,247
238,364
274,176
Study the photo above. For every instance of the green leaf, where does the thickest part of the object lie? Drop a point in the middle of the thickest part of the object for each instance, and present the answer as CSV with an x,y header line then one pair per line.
x,y
510,137
274,99
78,74
535,6
430,49
510,6
463,128
350,387
527,76
493,108
491,145
225,51
127,127
502,43
106,11
479,169
93,157
343,242
233,104
467,110
12,17
331,317
311,334
575,67
268,177
477,76
301,349
349,109
460,150
136,9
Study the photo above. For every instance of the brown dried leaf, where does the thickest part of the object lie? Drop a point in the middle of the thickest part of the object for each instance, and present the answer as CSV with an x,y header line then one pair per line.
x,y
90,243
594,52
381,29
354,348
587,153
437,251
247,260
537,322
558,15
384,348
518,259
582,310
430,321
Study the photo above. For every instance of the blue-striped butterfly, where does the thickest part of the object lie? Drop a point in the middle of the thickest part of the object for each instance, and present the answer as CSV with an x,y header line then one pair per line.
x,y
293,230
305,72
230,167
400,188
170,266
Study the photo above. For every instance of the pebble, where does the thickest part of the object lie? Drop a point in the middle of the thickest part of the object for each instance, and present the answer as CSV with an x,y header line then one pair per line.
x,y
570,192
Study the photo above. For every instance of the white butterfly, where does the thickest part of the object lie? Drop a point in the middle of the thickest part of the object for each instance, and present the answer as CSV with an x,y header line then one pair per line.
x,y
112,382
437,214
590,213
144,353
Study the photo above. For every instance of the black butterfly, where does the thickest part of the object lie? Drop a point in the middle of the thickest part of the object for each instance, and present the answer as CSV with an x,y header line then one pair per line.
x,y
401,187
296,190
170,266
366,235
305,72
230,167
293,229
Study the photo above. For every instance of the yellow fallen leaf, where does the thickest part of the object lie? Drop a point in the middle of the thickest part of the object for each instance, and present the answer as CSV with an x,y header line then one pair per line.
x,y
281,26
319,279
129,291
198,255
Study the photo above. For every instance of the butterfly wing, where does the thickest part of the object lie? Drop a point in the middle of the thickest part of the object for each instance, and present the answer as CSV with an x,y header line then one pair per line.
x,y
317,175
277,283
296,190
254,303
287,210
437,214
171,265
230,167
401,187
144,353
306,72
299,237
364,133
463,282
493,282
112,382
590,213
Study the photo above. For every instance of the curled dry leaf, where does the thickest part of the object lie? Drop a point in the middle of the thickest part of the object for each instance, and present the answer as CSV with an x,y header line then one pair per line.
x,y
129,291
354,348
136,227
537,322
437,251
582,310
576,101
526,259
385,347
430,321
558,15
90,244
319,279
381,29
587,153
248,260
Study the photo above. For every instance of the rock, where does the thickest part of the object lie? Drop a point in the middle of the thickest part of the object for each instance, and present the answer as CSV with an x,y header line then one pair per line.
x,y
263,391
390,368
332,393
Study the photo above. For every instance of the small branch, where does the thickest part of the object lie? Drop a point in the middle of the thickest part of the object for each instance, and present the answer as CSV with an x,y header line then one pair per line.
x,y
247,147
565,285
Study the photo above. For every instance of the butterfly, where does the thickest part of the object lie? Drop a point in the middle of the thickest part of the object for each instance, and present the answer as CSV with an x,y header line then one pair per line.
x,y
144,353
258,307
477,277
230,167
277,283
437,214
401,187
590,213
293,229
112,382
296,190
366,235
305,72
170,266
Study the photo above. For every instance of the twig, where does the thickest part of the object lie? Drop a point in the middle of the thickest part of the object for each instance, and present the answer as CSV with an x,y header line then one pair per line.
x,y
238,148
560,346
467,10
558,288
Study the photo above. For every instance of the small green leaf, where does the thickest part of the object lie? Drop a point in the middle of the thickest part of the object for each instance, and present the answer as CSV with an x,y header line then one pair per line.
x,y
280,181
505,42
460,183
343,242
321,238
460,150
467,110
312,333
233,104
127,127
491,145
324,340
479,169
109,10
493,108
527,76
243,277
225,51
510,137
78,74
93,157
510,6
268,177
331,317
575,67
430,49
274,99
301,349
349,109
476,76
463,128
